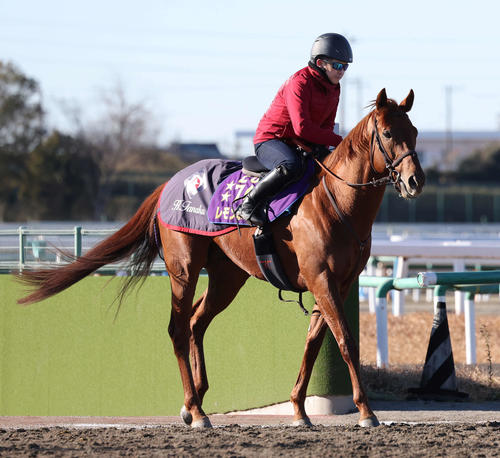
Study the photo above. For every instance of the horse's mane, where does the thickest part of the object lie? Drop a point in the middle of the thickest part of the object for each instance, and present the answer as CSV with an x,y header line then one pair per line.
x,y
351,142
355,139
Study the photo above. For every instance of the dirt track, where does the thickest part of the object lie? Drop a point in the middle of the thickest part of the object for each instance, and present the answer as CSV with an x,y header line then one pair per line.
x,y
413,428
233,440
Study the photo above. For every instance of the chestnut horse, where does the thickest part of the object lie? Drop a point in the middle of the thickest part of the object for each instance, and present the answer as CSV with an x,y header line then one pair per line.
x,y
333,221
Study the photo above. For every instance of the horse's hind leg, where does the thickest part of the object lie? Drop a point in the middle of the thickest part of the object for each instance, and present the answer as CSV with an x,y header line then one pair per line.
x,y
185,255
315,336
225,279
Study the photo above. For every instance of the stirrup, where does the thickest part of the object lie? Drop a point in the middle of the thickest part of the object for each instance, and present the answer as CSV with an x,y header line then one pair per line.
x,y
255,210
259,222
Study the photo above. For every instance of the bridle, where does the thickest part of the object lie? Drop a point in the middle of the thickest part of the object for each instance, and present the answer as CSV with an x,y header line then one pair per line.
x,y
393,177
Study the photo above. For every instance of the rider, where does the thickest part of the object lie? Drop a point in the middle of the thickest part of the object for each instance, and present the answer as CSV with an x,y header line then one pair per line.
x,y
303,109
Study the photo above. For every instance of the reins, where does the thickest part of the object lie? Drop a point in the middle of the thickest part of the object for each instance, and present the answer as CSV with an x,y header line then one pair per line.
x,y
379,182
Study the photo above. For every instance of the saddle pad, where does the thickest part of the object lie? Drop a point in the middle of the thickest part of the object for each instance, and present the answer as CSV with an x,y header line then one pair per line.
x,y
185,197
236,185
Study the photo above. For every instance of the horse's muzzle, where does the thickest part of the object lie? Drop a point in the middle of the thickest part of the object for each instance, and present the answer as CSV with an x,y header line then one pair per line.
x,y
410,186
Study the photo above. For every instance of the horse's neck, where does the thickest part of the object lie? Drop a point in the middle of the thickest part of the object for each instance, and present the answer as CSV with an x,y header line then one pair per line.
x,y
351,159
351,162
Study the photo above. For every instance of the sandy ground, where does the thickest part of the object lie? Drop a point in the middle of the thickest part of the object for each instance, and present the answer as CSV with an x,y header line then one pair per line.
x,y
234,441
413,429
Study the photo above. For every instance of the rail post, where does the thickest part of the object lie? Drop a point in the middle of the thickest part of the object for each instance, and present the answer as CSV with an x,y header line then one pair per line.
x,y
22,240
470,328
383,286
78,241
381,318
470,317
459,266
371,269
398,298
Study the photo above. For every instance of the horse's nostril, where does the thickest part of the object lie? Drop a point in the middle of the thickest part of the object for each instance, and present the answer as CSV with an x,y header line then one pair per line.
x,y
412,182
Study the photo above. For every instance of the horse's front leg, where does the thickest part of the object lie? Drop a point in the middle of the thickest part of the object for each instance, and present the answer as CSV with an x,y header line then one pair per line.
x,y
330,304
314,339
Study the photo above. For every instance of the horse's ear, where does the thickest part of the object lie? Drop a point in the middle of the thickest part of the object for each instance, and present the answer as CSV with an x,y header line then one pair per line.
x,y
381,99
407,103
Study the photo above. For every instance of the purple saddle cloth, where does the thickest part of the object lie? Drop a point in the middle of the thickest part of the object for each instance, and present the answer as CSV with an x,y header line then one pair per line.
x,y
236,185
198,199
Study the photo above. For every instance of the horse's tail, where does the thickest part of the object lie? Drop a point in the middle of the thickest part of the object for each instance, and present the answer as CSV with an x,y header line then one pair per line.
x,y
136,238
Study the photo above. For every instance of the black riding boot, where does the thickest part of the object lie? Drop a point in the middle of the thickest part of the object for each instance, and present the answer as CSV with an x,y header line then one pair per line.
x,y
253,207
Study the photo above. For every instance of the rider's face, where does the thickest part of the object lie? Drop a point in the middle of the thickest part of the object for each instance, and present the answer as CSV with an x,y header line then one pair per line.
x,y
333,75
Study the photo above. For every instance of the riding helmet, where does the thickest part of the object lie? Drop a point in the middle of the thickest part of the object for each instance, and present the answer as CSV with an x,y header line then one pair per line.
x,y
332,45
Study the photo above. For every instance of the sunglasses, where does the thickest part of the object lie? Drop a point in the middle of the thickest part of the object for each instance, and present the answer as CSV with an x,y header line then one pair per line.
x,y
338,66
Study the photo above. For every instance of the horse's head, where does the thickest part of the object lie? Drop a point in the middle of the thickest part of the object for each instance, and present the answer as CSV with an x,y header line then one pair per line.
x,y
393,144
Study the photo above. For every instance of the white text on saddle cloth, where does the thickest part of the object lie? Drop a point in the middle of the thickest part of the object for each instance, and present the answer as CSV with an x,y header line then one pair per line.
x,y
233,189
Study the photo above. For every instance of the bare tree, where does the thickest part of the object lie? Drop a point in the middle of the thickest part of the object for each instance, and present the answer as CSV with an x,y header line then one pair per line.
x,y
122,129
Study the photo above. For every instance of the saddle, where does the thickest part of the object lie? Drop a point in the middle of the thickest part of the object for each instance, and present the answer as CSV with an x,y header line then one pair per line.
x,y
253,167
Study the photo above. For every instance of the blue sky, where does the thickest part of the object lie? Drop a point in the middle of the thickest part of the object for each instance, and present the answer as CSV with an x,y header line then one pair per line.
x,y
209,68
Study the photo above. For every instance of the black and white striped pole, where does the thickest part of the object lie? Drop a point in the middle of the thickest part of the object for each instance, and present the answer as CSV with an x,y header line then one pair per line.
x,y
439,379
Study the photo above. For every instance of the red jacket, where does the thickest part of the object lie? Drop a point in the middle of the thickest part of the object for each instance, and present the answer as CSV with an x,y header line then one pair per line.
x,y
305,108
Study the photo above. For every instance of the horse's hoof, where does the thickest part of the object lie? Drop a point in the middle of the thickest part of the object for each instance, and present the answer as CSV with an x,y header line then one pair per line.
x,y
302,422
369,422
203,422
186,416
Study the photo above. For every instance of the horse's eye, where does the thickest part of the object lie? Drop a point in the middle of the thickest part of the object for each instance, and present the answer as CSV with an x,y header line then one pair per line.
x,y
387,134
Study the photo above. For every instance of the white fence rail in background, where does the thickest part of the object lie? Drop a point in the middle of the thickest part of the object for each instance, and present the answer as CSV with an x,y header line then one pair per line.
x,y
30,248
470,282
406,252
